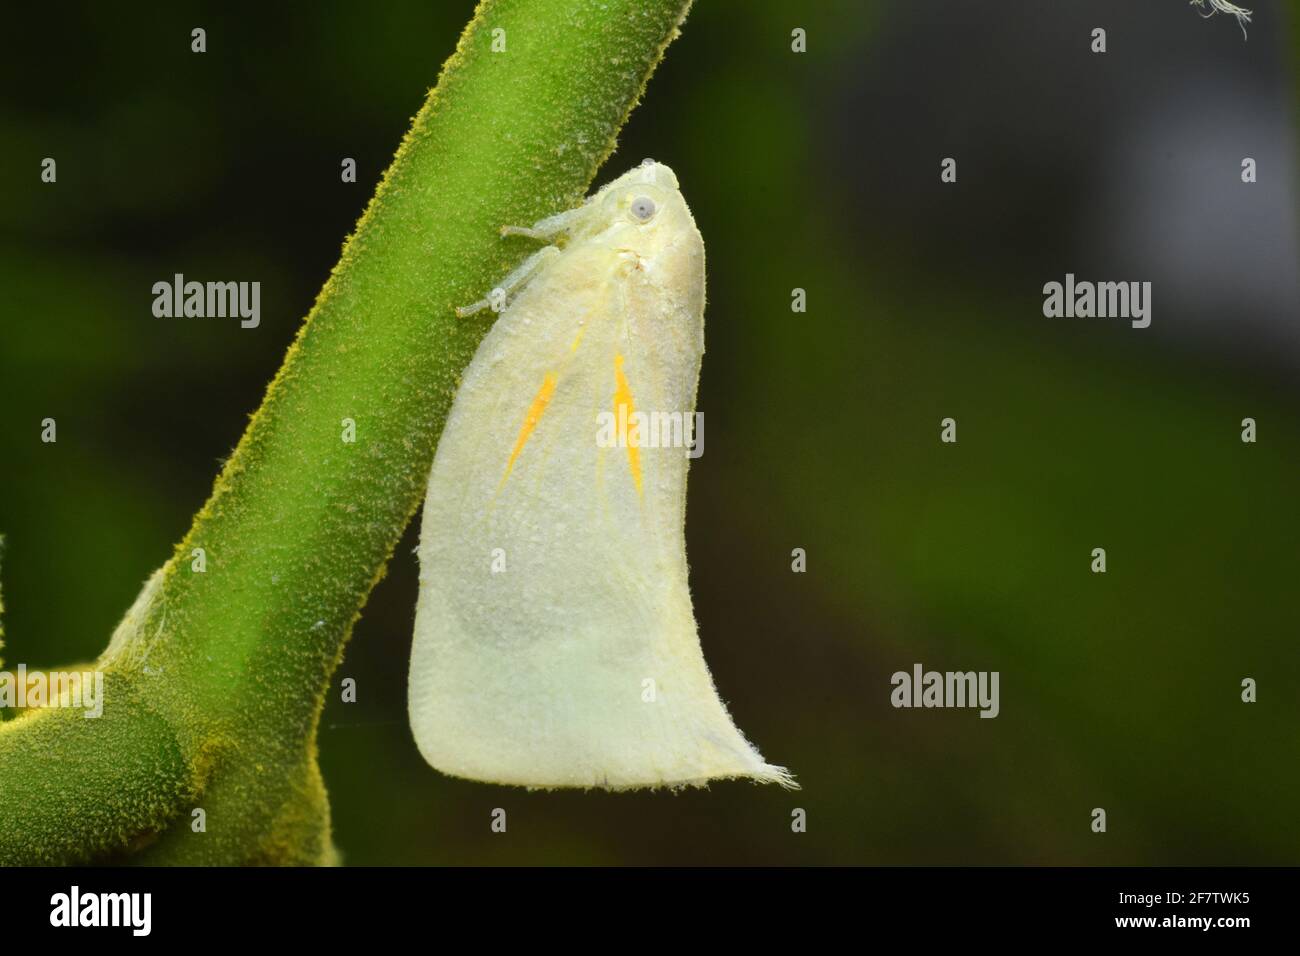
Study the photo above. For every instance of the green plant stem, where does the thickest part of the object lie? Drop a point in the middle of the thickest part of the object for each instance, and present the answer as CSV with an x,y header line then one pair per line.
x,y
216,681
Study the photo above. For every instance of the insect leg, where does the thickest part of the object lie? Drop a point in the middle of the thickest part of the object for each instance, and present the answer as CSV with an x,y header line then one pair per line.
x,y
547,228
496,299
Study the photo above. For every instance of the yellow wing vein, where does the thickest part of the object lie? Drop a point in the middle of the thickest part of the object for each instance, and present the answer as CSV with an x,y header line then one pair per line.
x,y
533,416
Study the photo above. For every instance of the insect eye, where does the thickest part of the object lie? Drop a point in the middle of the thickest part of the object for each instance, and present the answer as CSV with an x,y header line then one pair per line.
x,y
643,208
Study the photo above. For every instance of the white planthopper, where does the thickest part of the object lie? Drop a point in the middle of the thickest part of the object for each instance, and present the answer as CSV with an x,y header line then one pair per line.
x,y
555,642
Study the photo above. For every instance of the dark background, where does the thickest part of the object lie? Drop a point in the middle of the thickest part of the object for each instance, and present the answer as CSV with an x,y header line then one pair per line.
x,y
819,171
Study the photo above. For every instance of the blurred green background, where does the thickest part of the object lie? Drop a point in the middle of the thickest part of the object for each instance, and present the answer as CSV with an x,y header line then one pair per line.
x,y
818,171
